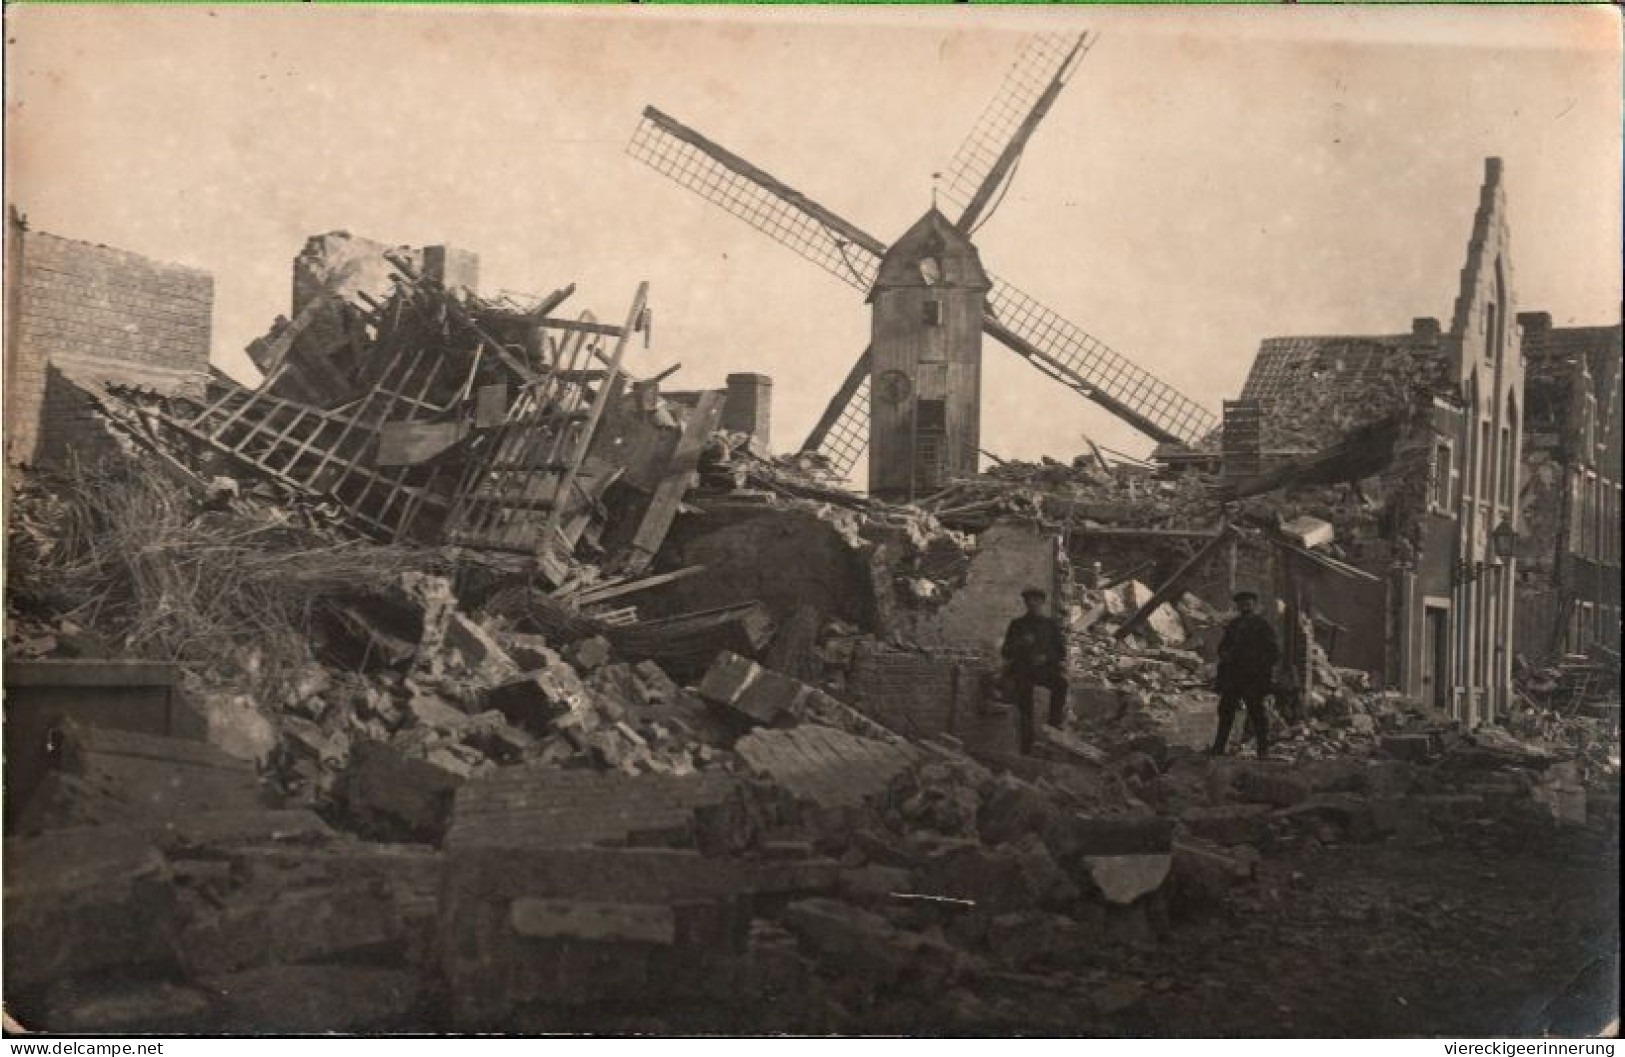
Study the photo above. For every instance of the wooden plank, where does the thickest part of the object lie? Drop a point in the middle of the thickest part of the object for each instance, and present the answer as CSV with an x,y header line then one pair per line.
x,y
685,460
591,597
1175,583
600,401
490,405
277,351
413,443
608,330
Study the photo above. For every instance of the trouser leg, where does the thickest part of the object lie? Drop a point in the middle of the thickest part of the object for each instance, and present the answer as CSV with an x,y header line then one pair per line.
x,y
1227,719
1024,714
1057,701
1260,721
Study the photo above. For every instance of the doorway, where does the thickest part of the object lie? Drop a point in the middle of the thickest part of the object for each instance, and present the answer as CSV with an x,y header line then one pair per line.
x,y
1436,658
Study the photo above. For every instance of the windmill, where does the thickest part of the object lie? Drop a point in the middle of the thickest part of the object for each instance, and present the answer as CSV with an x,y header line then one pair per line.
x,y
912,398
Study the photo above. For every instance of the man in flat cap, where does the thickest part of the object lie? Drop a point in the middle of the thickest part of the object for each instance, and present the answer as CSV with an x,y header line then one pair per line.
x,y
1247,656
1035,655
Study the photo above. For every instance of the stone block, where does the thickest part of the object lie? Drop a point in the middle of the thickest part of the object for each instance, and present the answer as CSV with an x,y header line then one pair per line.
x,y
990,878
1227,823
574,919
1415,748
863,944
486,659
432,710
875,883
82,900
257,927
827,766
759,695
1262,786
1123,879
1203,872
1014,810
387,795
535,699
1072,836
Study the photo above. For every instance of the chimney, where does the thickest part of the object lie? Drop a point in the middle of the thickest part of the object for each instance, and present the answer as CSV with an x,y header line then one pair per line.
x,y
452,268
750,407
1425,327
1535,325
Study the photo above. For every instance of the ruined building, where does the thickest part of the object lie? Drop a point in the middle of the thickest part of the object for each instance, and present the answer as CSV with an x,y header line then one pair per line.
x,y
1568,550
1420,482
81,313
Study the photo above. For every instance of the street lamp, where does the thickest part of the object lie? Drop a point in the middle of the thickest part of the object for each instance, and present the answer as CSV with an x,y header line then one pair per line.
x,y
1504,541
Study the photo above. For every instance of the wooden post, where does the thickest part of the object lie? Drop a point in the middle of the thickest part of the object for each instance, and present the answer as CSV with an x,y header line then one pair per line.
x,y
685,459
1175,582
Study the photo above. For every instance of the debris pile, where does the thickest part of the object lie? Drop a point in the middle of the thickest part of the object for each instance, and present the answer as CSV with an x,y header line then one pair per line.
x,y
466,737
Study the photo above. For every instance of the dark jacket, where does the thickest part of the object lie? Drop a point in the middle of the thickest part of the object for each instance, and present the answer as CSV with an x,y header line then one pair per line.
x,y
1247,655
1034,645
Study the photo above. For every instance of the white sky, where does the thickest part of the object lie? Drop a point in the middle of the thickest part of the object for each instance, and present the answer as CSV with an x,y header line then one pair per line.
x,y
1211,176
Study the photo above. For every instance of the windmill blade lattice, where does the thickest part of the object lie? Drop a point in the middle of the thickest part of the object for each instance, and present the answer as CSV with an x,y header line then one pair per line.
x,y
1088,365
1029,76
760,200
847,441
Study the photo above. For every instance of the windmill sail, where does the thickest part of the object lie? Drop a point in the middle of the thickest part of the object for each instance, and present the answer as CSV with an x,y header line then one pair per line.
x,y
764,202
1002,130
1082,362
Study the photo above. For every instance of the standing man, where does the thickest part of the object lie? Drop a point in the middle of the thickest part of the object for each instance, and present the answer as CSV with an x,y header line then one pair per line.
x,y
1247,656
1035,655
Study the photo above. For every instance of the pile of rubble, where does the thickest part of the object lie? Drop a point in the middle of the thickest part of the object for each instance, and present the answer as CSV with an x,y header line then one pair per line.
x,y
1089,492
454,745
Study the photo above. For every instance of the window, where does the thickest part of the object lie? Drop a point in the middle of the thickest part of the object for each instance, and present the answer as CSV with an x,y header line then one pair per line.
x,y
931,313
1482,493
1441,477
1576,511
1588,517
931,416
1491,328
1506,466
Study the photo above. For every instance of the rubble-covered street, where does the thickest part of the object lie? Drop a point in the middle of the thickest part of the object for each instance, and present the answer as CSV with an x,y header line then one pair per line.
x,y
446,803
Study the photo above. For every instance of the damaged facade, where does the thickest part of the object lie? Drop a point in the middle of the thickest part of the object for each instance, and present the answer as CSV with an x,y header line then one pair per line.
x,y
1424,477
78,314
1568,548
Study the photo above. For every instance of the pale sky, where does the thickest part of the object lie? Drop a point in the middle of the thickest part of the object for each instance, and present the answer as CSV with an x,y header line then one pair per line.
x,y
1211,176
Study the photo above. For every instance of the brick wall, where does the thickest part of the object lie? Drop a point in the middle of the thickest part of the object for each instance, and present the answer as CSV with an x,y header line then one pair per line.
x,y
84,313
541,807
917,694
750,408
1010,556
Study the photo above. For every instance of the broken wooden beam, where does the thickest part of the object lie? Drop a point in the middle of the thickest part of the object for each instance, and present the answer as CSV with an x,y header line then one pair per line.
x,y
592,596
685,460
1175,583
412,443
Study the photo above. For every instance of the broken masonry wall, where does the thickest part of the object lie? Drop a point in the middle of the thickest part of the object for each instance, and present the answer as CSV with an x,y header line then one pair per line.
x,y
1422,568
1010,555
915,693
784,558
342,267
80,313
1569,504
340,264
